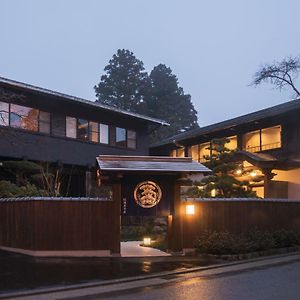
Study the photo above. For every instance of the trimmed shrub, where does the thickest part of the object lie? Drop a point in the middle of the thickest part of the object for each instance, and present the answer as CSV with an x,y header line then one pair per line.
x,y
213,242
9,189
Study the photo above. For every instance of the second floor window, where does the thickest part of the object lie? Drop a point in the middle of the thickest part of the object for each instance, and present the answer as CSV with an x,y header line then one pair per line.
x,y
24,117
121,136
83,129
262,139
4,111
71,127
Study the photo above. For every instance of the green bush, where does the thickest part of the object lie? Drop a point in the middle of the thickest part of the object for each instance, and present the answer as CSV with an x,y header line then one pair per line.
x,y
213,242
9,189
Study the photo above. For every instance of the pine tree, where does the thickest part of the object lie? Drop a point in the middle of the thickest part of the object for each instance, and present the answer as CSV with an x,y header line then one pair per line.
x,y
170,103
125,85
222,181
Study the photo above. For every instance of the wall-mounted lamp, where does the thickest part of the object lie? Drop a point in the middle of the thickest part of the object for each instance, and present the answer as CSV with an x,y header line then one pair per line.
x,y
213,193
190,209
147,241
238,172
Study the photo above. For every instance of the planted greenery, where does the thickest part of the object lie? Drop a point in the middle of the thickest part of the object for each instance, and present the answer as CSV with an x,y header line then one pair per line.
x,y
9,189
213,242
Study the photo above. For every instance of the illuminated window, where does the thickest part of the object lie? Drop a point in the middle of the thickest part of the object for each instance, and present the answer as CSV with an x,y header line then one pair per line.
x,y
263,139
271,138
71,127
204,152
121,136
94,131
44,122
232,145
180,152
4,112
194,152
131,139
104,134
24,117
82,129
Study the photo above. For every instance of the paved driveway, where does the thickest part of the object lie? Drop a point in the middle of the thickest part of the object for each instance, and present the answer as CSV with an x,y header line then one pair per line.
x,y
133,249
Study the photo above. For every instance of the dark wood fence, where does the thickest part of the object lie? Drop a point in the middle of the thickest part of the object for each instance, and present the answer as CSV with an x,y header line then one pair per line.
x,y
238,215
61,224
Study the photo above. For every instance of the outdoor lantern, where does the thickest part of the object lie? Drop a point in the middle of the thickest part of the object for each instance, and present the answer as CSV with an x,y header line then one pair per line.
x,y
147,241
239,171
190,209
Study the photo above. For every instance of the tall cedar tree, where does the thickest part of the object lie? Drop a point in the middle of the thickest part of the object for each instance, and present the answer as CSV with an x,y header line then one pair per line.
x,y
223,164
170,103
125,84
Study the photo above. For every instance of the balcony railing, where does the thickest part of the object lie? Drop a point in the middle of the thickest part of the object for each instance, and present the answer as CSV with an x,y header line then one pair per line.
x,y
263,147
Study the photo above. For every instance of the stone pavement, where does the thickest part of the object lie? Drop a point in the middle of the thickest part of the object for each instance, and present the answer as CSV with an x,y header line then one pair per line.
x,y
117,287
133,249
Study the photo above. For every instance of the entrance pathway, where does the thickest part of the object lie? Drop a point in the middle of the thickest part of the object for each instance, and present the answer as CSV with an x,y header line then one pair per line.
x,y
133,249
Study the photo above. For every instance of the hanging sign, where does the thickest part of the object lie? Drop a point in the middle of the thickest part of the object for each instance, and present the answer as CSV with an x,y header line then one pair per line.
x,y
147,194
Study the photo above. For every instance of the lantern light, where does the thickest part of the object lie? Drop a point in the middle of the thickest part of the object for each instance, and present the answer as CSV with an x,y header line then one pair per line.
x,y
190,209
147,241
253,174
238,172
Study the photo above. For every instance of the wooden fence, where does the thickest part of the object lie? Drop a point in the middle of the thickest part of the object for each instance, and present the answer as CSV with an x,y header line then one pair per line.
x,y
61,225
238,215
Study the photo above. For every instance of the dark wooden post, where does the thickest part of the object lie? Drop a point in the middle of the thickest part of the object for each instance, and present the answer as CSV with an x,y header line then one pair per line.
x,y
116,219
175,239
88,183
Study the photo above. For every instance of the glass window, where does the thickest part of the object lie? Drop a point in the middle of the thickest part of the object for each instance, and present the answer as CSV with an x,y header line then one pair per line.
x,y
251,141
131,139
103,134
82,129
94,132
4,111
204,152
121,136
232,144
71,126
271,138
44,122
194,152
180,152
24,117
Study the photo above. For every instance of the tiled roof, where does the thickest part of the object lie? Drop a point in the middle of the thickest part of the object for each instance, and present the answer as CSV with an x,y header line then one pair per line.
x,y
149,163
97,105
248,118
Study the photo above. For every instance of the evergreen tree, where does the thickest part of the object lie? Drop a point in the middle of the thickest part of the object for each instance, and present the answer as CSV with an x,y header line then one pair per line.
x,y
223,179
170,103
125,84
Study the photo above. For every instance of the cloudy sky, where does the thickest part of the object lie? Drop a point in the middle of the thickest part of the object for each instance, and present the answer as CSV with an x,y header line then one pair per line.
x,y
214,47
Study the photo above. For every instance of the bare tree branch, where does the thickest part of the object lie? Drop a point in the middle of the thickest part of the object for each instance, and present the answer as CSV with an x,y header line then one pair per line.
x,y
280,74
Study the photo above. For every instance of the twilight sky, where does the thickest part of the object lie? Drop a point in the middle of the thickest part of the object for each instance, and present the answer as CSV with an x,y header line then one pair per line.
x,y
213,47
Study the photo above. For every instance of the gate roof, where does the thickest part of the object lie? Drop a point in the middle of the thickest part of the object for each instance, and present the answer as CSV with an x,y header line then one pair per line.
x,y
150,164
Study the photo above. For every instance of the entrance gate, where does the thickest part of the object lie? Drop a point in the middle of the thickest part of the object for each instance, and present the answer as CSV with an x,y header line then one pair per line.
x,y
150,186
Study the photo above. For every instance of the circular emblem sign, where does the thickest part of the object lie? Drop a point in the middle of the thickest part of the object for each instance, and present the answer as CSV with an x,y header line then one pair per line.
x,y
147,194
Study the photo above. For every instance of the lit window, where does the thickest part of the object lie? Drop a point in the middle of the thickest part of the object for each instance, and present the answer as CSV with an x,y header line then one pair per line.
x,y
24,117
83,129
71,127
104,134
44,122
263,139
4,110
131,139
271,138
204,152
121,136
94,131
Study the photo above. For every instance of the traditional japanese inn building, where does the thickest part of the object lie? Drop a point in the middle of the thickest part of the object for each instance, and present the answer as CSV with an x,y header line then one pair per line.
x,y
267,142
